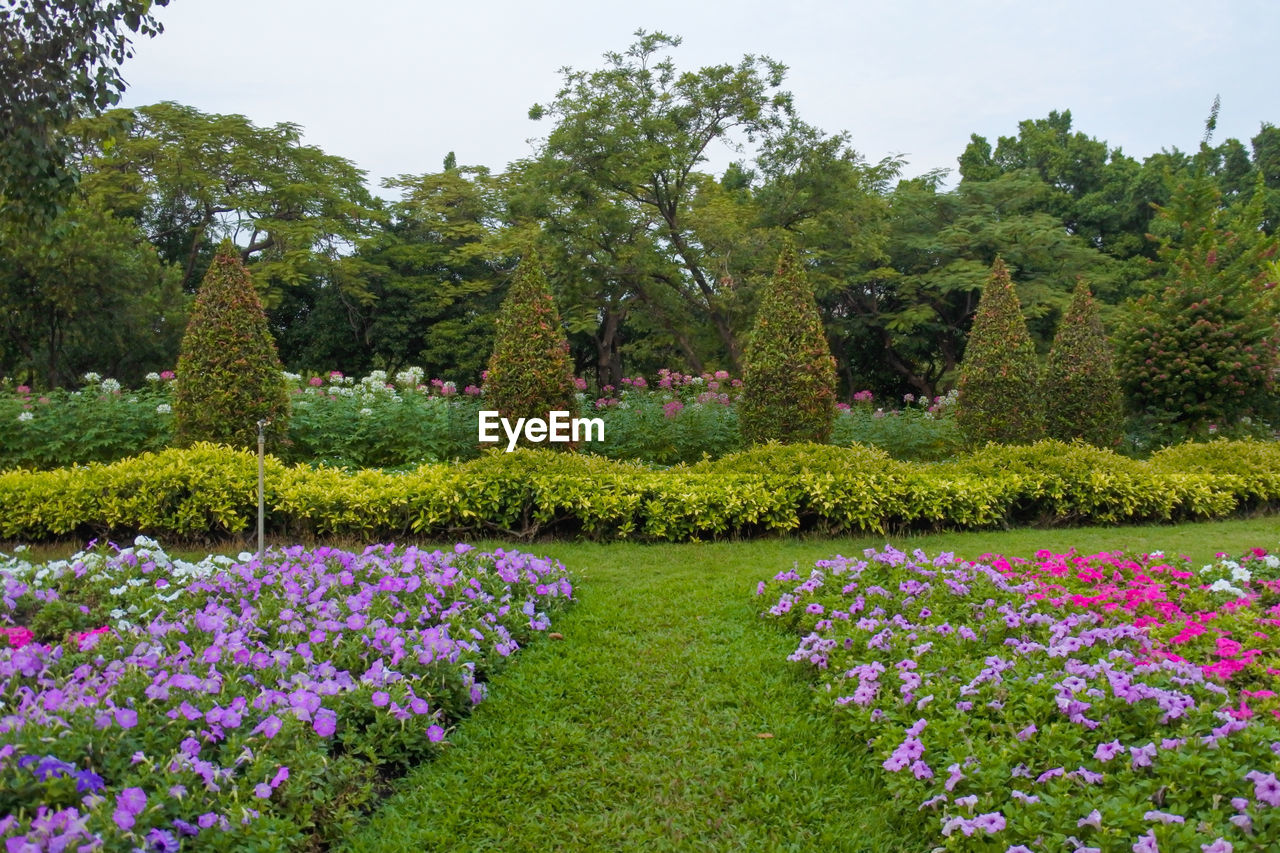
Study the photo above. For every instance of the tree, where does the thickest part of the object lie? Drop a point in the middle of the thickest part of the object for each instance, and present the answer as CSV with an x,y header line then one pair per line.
x,y
789,387
425,287
85,293
999,398
529,372
61,60
1199,349
1081,391
229,376
192,179
629,138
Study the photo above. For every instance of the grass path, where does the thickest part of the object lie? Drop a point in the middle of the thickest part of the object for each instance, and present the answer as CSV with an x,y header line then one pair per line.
x,y
640,729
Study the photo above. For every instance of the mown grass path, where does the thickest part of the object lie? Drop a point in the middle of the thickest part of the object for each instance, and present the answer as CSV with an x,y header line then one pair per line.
x,y
641,729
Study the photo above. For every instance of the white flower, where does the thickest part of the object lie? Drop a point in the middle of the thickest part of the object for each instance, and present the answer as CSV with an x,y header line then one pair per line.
x,y
92,378
153,377
164,409
1272,561
366,411
1224,585
25,416
1239,573
110,386
291,377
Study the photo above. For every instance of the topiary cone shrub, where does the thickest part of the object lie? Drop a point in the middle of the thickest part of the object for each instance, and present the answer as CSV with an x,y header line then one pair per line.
x,y
229,374
999,399
1081,391
529,373
789,380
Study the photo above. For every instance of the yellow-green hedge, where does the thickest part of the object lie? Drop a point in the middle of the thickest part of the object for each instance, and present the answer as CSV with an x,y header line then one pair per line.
x,y
209,491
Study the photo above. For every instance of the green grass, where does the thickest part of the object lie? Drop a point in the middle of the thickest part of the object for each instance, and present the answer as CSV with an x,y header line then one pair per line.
x,y
640,730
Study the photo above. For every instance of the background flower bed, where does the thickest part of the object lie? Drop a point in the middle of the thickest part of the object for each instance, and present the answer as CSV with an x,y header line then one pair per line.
x,y
403,420
209,491
1077,703
147,700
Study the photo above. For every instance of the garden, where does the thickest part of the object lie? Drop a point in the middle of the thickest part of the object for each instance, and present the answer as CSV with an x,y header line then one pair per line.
x,y
909,565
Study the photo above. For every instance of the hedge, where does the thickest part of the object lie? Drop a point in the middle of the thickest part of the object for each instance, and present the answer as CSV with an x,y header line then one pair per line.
x,y
208,492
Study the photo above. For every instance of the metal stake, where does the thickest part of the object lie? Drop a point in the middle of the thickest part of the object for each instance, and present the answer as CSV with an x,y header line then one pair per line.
x,y
262,475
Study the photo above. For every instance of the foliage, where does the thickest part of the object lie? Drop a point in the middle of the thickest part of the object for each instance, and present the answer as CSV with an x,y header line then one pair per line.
x,y
208,491
62,60
1059,701
85,293
422,289
789,387
681,418
999,398
621,164
99,423
1081,391
314,675
921,431
529,371
1200,349
229,375
192,179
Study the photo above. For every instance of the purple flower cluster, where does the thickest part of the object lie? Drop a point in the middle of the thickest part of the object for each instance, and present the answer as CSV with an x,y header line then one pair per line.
x,y
217,683
1043,714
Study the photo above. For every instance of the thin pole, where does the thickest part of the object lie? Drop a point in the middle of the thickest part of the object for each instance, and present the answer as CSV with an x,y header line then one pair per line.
x,y
262,476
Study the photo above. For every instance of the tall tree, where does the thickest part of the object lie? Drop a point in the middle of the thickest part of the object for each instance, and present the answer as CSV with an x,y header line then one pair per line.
x,y
61,60
631,136
192,179
424,289
1202,346
86,293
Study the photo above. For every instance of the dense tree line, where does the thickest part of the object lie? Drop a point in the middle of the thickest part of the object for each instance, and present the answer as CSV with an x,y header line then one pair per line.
x,y
654,261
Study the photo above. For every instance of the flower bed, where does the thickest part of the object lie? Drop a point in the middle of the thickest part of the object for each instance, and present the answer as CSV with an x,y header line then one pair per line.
x,y
1071,702
144,700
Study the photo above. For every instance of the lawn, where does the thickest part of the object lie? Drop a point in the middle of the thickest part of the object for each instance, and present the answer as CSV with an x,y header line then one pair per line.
x,y
667,718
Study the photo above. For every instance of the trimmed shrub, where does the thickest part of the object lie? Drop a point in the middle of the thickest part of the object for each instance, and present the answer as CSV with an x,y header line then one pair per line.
x,y
1081,392
530,373
229,375
208,491
789,381
999,377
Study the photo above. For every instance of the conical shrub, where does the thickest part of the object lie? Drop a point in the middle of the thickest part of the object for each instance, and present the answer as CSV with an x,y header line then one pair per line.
x,y
1081,391
530,373
229,374
789,381
999,400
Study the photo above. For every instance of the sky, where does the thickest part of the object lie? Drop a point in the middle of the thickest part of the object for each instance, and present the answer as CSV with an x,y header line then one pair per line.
x,y
394,85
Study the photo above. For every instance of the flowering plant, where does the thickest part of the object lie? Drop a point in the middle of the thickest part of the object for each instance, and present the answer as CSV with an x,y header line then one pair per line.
x,y
1050,704
233,701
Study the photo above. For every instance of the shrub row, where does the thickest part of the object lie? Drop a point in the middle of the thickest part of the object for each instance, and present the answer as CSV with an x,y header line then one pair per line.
x,y
209,491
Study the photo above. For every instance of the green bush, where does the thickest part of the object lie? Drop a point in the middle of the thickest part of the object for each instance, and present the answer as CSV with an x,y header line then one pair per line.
x,y
229,375
529,373
209,491
1081,391
999,376
922,431
789,382
1201,350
